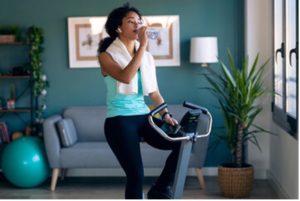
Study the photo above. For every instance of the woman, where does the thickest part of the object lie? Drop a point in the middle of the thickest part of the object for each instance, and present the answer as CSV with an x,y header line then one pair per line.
x,y
129,73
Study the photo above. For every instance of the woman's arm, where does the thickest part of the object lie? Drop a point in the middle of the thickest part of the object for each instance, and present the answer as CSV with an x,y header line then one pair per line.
x,y
157,99
125,75
112,68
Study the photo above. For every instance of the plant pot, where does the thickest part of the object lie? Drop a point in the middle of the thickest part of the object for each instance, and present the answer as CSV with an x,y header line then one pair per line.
x,y
235,182
7,38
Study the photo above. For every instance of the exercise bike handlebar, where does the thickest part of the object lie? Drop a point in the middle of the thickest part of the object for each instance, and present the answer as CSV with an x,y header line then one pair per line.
x,y
158,109
194,106
175,139
163,134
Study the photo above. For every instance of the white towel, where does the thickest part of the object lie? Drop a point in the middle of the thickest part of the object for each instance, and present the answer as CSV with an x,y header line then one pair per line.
x,y
120,54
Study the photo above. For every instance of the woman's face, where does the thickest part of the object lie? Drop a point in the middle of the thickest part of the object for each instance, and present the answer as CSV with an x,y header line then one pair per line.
x,y
130,25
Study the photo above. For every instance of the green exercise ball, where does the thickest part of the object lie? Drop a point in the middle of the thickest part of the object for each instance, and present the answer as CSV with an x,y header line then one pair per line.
x,y
24,162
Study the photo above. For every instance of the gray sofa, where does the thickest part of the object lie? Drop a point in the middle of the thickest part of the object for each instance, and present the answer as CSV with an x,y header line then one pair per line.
x,y
90,149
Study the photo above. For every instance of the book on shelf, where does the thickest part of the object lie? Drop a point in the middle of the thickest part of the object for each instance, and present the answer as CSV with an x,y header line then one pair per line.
x,y
4,134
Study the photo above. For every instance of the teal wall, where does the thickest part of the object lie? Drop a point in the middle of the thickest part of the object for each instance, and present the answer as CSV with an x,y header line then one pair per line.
x,y
221,18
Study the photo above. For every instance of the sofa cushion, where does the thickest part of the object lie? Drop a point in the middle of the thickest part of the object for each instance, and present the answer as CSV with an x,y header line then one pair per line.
x,y
99,154
67,132
89,122
90,155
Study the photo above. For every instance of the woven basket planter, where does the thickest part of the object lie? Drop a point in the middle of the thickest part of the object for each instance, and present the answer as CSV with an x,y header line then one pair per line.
x,y
235,182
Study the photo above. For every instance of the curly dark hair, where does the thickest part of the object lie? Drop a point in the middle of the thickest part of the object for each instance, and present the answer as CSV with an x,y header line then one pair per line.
x,y
114,20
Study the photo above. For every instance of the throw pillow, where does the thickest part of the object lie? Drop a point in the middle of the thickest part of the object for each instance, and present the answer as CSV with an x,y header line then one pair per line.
x,y
67,132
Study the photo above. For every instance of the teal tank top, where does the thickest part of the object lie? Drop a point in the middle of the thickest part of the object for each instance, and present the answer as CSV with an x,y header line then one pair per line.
x,y
122,104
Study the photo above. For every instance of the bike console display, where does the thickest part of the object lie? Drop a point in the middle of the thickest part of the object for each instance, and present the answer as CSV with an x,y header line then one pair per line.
x,y
189,121
188,124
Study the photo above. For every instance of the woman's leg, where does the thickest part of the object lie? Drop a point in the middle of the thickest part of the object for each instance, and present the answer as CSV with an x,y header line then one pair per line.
x,y
122,137
156,140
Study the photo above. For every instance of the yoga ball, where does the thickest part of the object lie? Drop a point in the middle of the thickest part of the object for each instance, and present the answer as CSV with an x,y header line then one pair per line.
x,y
24,162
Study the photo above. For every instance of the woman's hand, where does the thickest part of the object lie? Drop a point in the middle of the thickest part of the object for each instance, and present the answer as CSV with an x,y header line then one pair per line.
x,y
142,34
170,120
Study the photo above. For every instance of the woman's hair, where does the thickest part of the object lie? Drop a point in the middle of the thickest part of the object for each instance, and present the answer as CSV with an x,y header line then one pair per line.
x,y
114,20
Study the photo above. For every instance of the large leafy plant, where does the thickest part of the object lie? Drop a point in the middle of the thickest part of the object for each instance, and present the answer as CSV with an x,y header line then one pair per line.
x,y
237,90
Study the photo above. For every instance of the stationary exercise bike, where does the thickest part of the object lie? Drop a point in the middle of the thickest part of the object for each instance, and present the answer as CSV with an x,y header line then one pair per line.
x,y
195,123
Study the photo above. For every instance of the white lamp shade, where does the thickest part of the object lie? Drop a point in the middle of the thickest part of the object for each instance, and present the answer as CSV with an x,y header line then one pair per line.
x,y
204,50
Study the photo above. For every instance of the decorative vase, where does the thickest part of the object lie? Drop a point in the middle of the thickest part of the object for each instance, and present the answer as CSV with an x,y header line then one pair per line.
x,y
10,104
235,182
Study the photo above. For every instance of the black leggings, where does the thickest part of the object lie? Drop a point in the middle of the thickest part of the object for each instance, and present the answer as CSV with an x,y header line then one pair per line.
x,y
123,134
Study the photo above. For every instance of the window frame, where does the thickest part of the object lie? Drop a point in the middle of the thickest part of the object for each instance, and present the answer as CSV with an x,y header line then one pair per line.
x,y
280,115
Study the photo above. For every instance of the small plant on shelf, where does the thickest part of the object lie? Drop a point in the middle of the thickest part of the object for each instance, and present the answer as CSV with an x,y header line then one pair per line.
x,y
10,34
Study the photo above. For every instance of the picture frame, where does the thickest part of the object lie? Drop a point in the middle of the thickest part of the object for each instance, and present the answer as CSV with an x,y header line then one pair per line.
x,y
166,47
85,33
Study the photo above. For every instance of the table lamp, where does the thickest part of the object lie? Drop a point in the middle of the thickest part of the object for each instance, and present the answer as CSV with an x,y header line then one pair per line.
x,y
204,50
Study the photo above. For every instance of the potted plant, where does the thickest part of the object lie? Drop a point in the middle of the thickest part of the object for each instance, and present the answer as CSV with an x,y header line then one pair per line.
x,y
9,34
237,90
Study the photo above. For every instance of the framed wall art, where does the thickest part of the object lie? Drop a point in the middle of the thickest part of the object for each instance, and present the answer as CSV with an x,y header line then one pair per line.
x,y
84,35
164,43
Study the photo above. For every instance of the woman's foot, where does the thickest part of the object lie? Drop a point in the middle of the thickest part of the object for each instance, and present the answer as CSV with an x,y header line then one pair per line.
x,y
157,193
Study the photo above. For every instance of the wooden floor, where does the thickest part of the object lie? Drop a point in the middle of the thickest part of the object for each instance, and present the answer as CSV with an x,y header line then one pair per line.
x,y
113,188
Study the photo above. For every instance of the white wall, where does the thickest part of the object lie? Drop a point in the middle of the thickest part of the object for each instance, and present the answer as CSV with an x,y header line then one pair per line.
x,y
258,39
279,157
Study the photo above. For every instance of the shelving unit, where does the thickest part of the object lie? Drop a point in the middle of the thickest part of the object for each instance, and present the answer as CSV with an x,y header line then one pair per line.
x,y
25,102
30,85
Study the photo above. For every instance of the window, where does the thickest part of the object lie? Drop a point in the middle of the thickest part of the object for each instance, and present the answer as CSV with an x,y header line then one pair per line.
x,y
286,63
